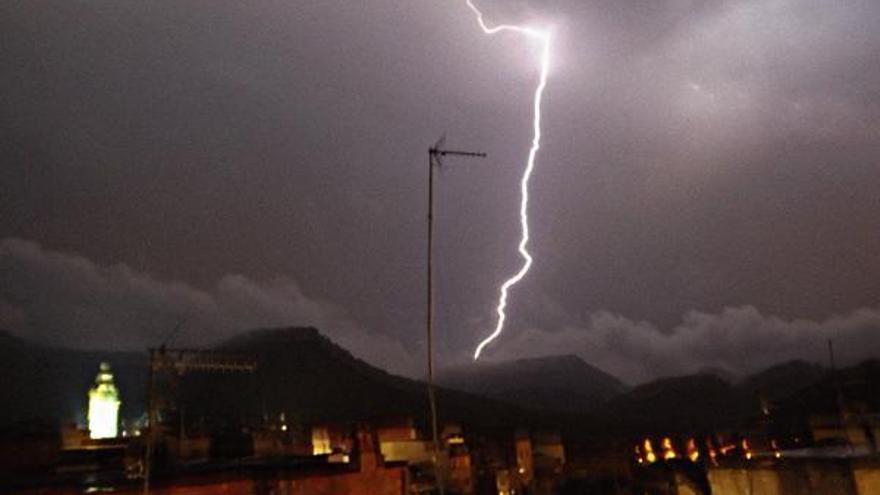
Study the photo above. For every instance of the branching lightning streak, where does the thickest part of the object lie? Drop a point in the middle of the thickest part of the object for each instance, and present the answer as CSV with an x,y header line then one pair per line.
x,y
544,38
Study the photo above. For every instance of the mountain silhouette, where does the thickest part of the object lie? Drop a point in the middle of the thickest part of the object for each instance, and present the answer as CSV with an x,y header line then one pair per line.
x,y
553,383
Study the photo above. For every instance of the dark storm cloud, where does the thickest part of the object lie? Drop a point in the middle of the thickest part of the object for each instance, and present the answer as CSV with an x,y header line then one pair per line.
x,y
67,300
700,158
729,157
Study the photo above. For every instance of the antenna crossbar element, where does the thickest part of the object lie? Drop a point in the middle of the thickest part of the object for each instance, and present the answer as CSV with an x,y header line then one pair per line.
x,y
186,360
436,152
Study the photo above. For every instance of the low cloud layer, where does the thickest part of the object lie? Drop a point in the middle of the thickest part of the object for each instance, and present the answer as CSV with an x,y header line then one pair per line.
x,y
738,341
66,299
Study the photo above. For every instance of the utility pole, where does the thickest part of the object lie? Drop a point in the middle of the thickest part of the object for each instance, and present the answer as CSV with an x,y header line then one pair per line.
x,y
842,414
435,155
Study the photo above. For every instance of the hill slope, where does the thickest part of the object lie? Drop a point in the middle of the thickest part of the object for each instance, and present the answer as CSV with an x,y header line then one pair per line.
x,y
310,379
299,372
706,402
701,402
557,383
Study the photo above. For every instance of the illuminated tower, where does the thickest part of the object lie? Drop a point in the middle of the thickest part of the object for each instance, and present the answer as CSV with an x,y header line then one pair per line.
x,y
103,405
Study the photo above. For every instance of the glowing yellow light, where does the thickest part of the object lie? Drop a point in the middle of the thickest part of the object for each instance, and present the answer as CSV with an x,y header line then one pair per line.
x,y
668,450
456,440
745,446
693,452
650,456
321,441
104,405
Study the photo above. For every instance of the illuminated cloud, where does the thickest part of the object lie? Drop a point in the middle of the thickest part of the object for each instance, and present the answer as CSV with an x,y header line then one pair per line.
x,y
737,340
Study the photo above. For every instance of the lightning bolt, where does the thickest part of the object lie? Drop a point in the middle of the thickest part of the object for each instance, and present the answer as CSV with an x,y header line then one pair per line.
x,y
544,38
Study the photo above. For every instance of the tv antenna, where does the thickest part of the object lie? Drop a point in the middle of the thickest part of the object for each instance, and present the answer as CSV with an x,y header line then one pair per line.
x,y
436,154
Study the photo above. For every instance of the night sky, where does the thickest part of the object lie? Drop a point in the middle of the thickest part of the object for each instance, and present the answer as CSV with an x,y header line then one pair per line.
x,y
707,194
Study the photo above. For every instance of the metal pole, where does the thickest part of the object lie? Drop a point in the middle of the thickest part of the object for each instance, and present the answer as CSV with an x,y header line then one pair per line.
x,y
429,323
434,154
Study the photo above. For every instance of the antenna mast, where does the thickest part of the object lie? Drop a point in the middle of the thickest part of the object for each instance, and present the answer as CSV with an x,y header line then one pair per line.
x,y
435,154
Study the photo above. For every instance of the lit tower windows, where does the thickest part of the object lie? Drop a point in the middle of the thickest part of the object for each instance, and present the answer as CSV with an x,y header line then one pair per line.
x,y
103,405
